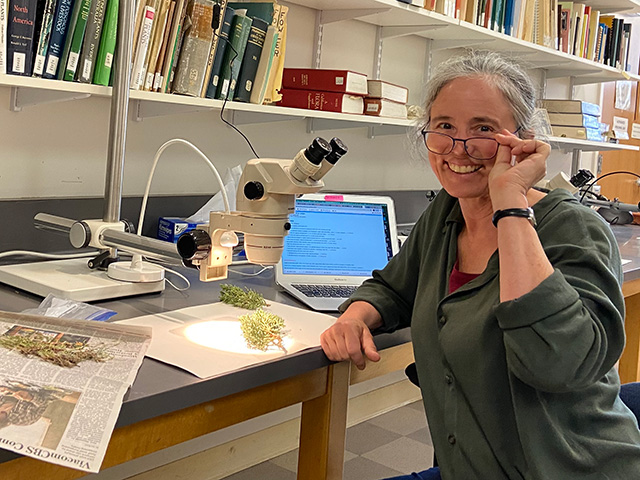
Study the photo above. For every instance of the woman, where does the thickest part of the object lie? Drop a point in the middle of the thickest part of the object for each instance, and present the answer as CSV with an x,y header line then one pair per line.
x,y
516,325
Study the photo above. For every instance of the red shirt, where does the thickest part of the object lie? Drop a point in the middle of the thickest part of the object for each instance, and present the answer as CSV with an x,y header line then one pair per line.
x,y
458,278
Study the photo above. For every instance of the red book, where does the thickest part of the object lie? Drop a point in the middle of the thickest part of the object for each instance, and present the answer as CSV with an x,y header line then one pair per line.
x,y
326,101
343,81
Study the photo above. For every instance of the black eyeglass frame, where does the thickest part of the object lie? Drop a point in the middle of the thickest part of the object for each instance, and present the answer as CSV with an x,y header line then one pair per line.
x,y
464,141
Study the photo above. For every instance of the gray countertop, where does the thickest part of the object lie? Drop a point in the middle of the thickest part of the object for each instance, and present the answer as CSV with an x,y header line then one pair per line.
x,y
160,388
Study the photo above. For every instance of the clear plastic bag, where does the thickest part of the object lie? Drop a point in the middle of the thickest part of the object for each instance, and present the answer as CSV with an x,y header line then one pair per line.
x,y
53,306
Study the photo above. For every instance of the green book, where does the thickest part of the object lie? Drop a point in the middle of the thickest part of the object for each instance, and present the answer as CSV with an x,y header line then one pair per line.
x,y
261,10
252,54
232,61
64,56
104,60
71,64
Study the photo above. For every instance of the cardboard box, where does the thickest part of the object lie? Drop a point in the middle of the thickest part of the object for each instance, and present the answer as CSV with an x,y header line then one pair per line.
x,y
170,228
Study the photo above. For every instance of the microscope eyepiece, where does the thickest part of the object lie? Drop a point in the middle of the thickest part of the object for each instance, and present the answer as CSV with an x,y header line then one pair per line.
x,y
318,149
338,149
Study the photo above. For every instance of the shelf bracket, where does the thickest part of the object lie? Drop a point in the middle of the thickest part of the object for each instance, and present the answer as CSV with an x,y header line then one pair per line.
x,y
333,16
27,97
144,109
448,44
403,31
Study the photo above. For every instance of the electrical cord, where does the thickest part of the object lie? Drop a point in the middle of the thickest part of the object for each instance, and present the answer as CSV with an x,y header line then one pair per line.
x,y
162,148
264,268
50,256
593,182
226,97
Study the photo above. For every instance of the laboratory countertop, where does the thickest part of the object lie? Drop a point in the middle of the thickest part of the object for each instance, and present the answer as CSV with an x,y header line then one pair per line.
x,y
628,237
160,388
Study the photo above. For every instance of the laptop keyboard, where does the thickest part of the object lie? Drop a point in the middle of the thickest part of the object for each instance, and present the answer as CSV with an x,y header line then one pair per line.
x,y
327,291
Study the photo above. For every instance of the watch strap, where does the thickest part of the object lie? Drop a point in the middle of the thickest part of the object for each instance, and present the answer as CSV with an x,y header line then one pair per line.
x,y
514,212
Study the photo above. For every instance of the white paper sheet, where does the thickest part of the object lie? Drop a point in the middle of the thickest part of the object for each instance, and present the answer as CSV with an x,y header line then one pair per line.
x,y
217,325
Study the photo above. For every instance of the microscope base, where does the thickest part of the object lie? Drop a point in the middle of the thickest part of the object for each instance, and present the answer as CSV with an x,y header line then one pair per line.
x,y
71,279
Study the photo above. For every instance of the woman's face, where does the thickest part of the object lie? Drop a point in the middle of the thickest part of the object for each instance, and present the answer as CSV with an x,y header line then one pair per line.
x,y
465,108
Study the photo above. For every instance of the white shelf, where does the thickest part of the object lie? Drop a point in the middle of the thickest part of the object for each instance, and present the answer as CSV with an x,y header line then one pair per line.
x,y
398,19
615,6
563,143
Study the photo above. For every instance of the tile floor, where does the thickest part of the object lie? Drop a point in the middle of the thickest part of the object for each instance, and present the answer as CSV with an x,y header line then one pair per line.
x,y
395,443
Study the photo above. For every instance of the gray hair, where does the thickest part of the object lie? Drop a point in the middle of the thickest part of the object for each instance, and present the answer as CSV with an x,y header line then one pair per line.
x,y
507,76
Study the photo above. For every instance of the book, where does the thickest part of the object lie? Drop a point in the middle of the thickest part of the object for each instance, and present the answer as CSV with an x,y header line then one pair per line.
x,y
64,55
594,22
274,84
574,120
232,60
571,106
264,66
58,36
77,38
580,133
137,70
214,46
45,34
185,25
388,91
157,34
624,58
319,100
214,75
566,9
195,49
381,107
4,4
157,74
327,80
91,42
106,51
172,45
249,67
21,26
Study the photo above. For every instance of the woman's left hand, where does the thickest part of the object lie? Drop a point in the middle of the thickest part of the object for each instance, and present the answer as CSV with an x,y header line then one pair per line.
x,y
509,184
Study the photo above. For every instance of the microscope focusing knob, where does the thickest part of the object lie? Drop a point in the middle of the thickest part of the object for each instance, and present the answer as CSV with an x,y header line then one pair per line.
x,y
253,190
80,234
194,244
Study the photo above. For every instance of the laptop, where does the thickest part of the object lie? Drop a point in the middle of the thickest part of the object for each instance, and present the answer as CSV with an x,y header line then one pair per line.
x,y
334,244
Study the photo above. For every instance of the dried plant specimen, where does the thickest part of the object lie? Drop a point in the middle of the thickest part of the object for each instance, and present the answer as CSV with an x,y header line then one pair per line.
x,y
262,329
64,354
236,296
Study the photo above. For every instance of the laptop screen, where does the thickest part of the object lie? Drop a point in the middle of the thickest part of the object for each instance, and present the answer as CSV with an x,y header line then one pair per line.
x,y
337,238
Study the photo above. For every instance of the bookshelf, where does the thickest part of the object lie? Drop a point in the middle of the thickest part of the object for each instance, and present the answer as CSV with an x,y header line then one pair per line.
x,y
393,19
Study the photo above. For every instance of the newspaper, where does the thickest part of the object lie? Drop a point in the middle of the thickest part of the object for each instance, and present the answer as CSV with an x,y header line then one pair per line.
x,y
66,415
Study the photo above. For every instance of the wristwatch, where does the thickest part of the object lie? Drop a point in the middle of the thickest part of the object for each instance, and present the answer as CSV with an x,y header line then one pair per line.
x,y
514,212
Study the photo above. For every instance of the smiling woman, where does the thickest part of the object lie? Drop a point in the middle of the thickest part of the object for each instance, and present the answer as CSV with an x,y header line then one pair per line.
x,y
516,324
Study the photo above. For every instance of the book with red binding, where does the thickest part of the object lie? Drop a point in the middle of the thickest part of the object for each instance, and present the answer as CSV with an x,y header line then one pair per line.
x,y
326,101
326,80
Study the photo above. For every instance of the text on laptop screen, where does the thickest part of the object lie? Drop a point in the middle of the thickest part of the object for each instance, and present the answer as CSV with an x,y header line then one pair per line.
x,y
337,238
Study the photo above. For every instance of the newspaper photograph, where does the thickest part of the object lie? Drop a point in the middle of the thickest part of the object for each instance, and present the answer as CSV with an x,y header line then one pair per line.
x,y
62,383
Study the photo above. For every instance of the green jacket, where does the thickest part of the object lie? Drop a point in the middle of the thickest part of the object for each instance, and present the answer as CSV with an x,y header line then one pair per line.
x,y
524,389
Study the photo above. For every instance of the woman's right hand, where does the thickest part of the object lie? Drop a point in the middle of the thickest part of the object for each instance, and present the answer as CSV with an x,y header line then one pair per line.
x,y
350,337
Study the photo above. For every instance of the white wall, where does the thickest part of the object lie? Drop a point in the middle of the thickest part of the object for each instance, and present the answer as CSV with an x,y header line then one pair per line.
x,y
59,150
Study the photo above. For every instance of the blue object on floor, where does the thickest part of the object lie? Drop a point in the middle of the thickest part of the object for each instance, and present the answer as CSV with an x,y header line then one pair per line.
x,y
431,474
630,395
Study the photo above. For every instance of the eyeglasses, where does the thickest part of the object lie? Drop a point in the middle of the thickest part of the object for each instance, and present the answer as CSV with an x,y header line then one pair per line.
x,y
478,148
